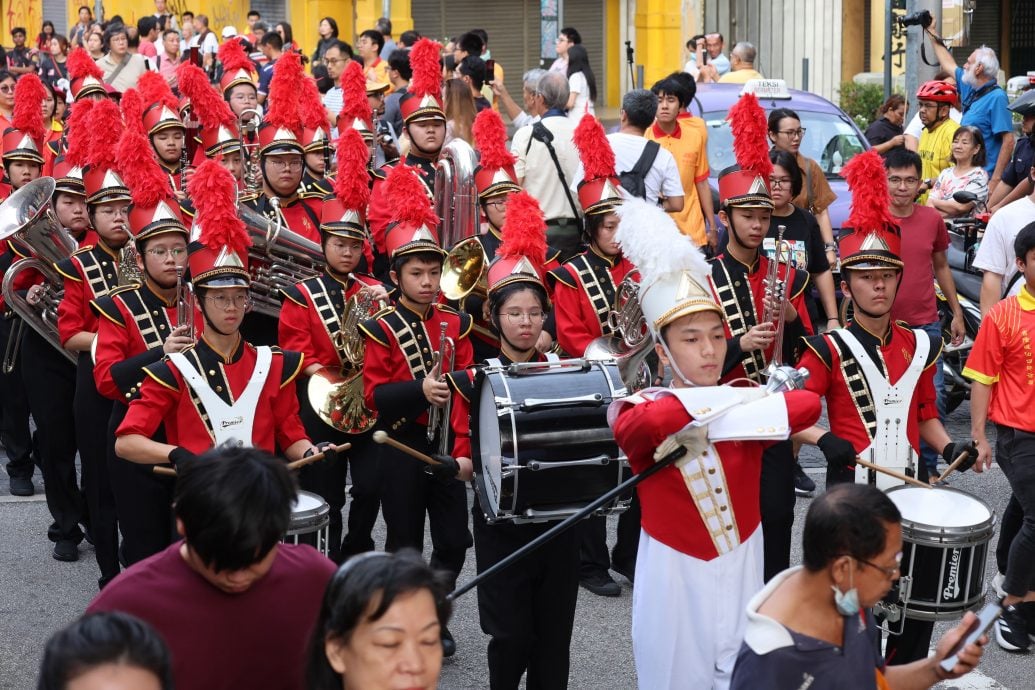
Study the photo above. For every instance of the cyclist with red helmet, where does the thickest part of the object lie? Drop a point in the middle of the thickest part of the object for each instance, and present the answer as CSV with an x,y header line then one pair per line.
x,y
936,100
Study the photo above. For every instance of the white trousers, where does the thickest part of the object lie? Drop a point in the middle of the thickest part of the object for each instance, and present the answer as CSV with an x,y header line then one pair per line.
x,y
688,615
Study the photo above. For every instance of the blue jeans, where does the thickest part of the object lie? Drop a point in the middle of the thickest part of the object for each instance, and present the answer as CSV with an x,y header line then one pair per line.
x,y
930,455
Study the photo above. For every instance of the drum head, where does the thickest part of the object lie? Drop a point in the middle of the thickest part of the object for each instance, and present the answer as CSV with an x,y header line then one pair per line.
x,y
488,460
943,507
307,504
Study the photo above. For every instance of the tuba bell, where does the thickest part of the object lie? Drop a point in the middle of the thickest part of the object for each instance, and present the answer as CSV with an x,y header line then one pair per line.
x,y
456,203
631,341
28,223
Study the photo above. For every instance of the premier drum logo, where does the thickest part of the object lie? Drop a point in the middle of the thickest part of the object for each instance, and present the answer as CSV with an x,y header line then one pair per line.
x,y
952,587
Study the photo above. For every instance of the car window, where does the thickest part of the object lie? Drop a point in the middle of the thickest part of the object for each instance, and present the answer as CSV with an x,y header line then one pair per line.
x,y
829,140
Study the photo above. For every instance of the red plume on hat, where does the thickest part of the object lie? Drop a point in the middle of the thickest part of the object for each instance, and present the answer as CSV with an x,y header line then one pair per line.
x,y
355,105
206,104
80,64
78,133
232,56
214,191
490,137
310,105
283,94
28,100
350,184
408,198
598,160
750,145
868,181
105,120
154,89
137,164
427,74
524,231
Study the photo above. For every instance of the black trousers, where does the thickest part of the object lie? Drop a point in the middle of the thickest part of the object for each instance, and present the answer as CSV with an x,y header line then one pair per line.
x,y
1009,526
49,384
408,493
593,542
912,645
529,608
1015,452
328,480
776,505
14,406
92,412
143,499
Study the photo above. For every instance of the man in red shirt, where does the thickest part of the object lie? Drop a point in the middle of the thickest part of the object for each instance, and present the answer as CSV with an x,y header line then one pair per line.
x,y
235,607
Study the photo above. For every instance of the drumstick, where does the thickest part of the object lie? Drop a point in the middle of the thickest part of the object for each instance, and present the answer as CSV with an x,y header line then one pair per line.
x,y
892,473
315,457
383,437
955,464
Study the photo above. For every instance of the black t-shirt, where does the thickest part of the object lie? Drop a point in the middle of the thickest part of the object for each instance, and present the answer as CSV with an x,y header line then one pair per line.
x,y
1020,164
802,232
481,103
881,131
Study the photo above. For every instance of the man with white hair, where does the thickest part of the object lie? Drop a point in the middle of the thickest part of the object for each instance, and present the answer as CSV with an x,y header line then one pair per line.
x,y
742,65
984,103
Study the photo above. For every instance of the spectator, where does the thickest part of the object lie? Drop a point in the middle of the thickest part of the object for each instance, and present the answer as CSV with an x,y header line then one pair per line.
x,y
106,650
995,256
335,57
1016,182
399,74
287,35
984,103
686,138
272,47
77,36
95,43
206,40
6,98
497,69
548,176
52,116
384,27
695,47
52,63
43,38
886,132
260,29
254,17
467,44
165,19
408,38
460,110
935,147
582,85
472,72
328,31
742,65
967,174
786,134
568,37
714,44
916,127
20,59
147,30
797,628
235,606
662,183
121,70
169,58
186,31
520,117
368,48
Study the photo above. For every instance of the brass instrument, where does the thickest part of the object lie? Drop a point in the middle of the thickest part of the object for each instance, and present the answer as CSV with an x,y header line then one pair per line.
x,y
28,222
456,203
776,285
279,258
248,125
129,272
438,417
184,303
631,341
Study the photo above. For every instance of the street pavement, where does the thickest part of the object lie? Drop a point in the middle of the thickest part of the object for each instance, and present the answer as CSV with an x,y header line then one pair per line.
x,y
39,595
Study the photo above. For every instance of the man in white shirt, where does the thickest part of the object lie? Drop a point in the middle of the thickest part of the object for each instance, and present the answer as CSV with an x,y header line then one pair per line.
x,y
335,58
520,117
206,40
996,256
662,182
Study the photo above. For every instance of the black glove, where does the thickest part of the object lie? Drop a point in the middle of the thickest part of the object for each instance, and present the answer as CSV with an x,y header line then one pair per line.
x,y
325,447
447,467
840,455
953,450
180,454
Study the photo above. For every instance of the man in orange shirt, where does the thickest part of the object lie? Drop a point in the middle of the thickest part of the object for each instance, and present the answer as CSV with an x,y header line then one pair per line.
x,y
686,138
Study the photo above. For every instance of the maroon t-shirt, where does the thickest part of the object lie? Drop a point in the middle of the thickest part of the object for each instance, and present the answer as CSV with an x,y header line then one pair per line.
x,y
220,641
923,233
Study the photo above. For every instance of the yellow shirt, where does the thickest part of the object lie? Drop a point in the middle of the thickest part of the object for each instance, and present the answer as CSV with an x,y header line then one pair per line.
x,y
688,144
935,151
740,76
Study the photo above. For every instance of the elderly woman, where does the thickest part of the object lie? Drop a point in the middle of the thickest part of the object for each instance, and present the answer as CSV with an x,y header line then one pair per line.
x,y
967,174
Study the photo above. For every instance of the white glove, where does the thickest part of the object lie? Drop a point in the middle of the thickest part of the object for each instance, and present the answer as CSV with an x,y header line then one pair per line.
x,y
693,438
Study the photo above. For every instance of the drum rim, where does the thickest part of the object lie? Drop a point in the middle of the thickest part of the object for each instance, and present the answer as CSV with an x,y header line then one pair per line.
x,y
916,527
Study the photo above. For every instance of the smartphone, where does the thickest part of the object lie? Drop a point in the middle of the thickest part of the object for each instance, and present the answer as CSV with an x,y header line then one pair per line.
x,y
985,618
490,71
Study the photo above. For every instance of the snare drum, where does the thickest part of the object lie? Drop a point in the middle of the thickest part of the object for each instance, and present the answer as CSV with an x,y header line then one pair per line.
x,y
310,515
945,535
541,443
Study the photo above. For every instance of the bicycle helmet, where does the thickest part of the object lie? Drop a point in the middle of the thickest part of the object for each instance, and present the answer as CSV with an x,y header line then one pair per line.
x,y
1024,104
938,91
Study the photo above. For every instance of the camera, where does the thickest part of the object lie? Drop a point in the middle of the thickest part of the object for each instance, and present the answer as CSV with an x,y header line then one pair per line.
x,y
384,133
922,18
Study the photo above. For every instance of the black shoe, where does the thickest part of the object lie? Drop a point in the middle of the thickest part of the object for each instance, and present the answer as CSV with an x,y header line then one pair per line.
x,y
1011,630
1027,609
66,550
602,585
626,571
448,643
803,484
22,486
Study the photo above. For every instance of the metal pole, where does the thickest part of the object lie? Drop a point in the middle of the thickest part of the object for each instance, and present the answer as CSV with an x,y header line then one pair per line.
x,y
889,18
386,9
917,72
804,74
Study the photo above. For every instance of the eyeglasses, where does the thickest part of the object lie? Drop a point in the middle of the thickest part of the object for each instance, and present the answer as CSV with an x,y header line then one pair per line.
x,y
113,211
224,302
6,88
162,252
499,204
779,182
890,573
793,133
333,61
900,181
518,317
280,164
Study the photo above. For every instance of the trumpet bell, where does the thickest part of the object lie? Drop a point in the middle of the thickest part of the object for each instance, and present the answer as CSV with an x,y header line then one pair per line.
x,y
464,270
26,206
338,401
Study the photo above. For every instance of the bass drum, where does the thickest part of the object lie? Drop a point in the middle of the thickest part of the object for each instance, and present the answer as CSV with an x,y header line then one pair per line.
x,y
541,443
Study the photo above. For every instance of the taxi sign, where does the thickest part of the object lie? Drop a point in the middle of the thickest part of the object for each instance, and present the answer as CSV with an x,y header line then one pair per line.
x,y
767,88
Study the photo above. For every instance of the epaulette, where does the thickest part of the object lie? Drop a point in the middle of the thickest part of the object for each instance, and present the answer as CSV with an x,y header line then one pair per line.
x,y
799,283
373,329
292,367
821,347
295,295
380,173
381,313
307,195
248,196
553,254
162,373
466,324
563,275
83,250
66,267
461,383
106,307
446,308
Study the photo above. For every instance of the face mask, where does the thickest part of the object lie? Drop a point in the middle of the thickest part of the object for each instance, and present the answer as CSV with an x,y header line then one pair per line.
x,y
847,603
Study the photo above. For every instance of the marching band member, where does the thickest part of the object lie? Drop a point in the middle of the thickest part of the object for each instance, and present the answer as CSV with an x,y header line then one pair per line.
x,y
316,144
220,138
139,325
424,122
876,373
223,389
311,322
238,83
402,378
165,129
584,291
356,113
89,274
700,554
86,78
529,611
739,279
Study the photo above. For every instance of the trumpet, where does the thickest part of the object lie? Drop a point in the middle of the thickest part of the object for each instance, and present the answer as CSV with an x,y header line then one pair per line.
x,y
438,418
248,125
184,303
777,287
